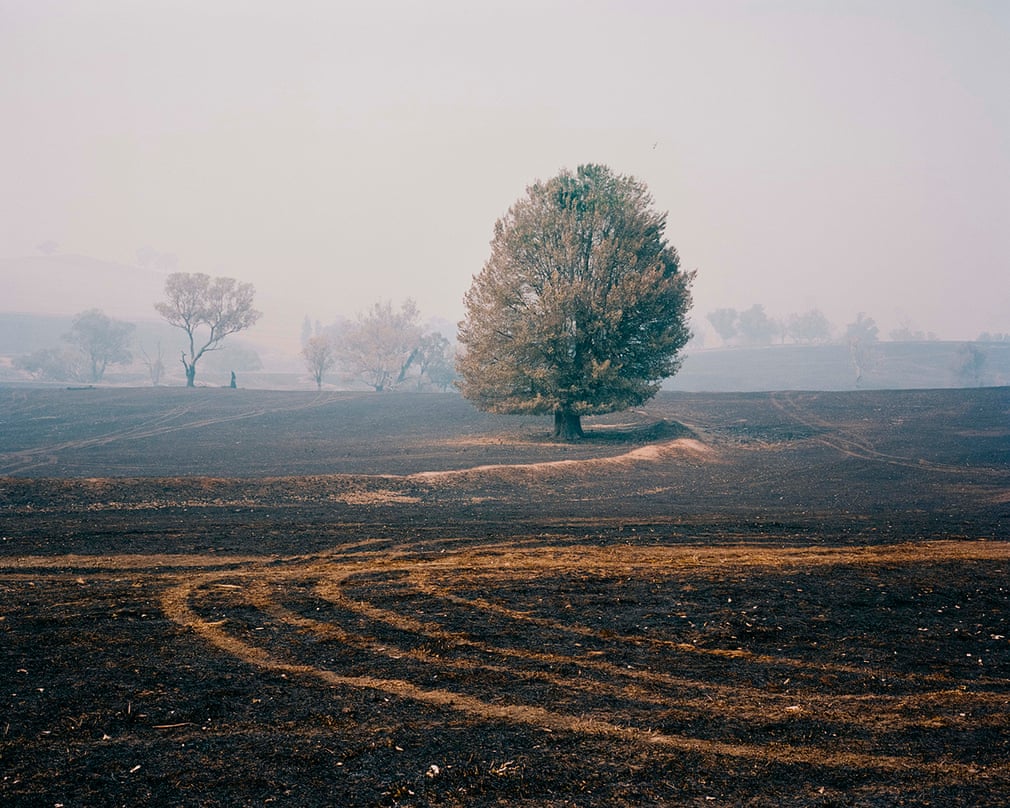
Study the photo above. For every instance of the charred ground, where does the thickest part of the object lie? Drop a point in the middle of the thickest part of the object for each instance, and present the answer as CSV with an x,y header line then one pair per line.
x,y
219,597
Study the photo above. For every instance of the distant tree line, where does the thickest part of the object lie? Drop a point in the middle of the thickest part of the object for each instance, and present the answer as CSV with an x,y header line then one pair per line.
x,y
906,333
384,348
753,327
206,309
94,342
579,310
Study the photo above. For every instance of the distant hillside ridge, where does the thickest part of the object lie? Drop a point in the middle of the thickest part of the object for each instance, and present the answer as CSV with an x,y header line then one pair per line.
x,y
67,284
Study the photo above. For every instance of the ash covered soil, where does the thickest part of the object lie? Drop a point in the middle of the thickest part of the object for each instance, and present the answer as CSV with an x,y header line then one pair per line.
x,y
226,597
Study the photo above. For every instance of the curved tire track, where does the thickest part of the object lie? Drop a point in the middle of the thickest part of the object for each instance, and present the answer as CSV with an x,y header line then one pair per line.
x,y
266,590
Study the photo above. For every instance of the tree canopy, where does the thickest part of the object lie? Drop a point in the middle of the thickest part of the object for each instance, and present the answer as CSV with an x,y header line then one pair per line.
x,y
581,307
319,357
862,329
724,321
207,310
387,349
380,346
811,326
103,341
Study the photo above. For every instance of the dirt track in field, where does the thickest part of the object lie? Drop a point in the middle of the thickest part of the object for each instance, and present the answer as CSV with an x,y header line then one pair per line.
x,y
795,599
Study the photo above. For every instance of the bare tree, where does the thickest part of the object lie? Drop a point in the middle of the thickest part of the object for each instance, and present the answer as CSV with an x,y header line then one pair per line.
x,y
207,310
862,336
319,357
155,366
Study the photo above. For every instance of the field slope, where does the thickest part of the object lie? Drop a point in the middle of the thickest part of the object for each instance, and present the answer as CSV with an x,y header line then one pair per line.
x,y
214,597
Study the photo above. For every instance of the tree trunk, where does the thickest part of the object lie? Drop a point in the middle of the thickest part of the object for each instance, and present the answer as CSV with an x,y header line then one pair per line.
x,y
567,425
190,369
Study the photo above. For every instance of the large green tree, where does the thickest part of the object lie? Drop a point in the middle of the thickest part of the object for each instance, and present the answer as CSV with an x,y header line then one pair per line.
x,y
207,310
581,307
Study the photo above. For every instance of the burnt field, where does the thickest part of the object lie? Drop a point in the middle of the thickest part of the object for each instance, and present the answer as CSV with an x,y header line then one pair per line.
x,y
229,597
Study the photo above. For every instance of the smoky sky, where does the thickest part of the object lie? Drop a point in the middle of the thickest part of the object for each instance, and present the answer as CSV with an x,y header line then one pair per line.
x,y
847,156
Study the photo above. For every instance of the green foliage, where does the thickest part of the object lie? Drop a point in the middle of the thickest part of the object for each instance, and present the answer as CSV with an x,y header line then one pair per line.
x,y
581,307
